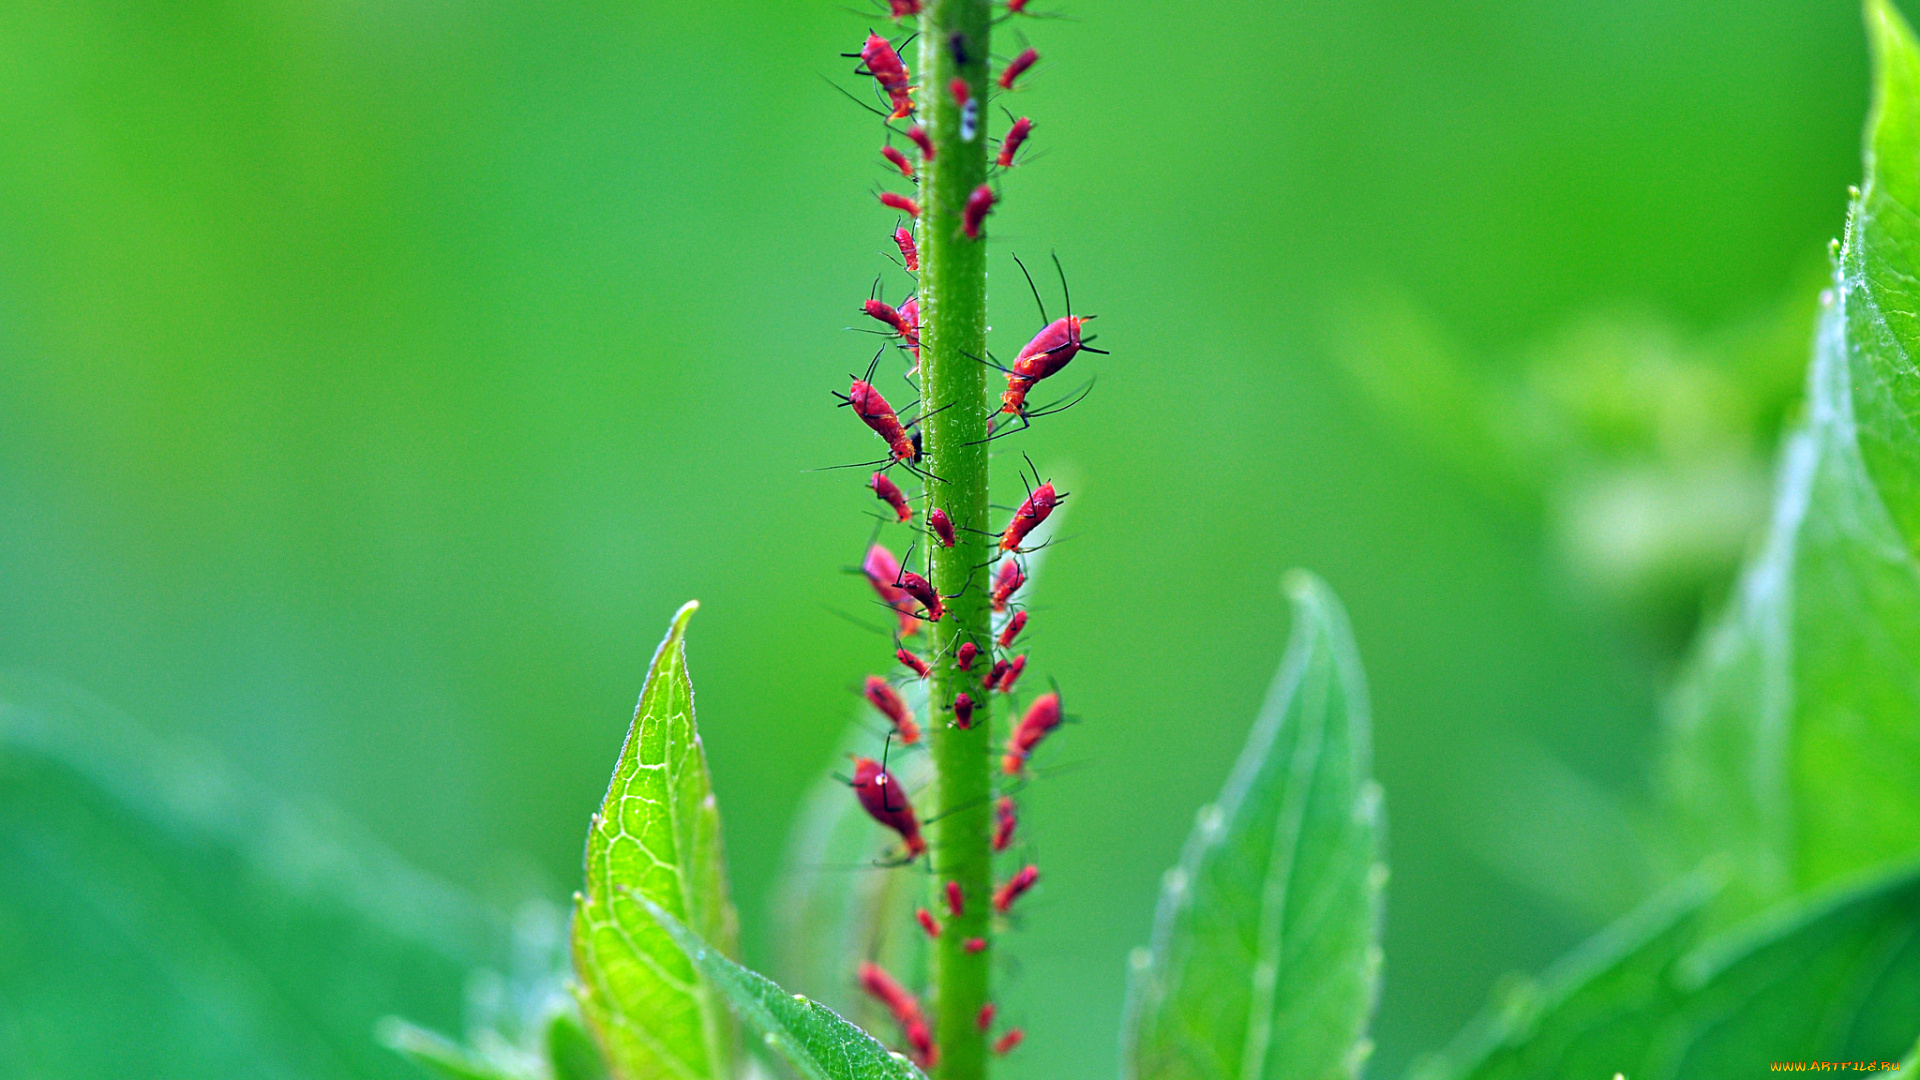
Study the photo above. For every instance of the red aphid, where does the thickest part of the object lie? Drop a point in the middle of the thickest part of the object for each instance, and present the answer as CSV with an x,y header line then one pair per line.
x,y
955,903
885,698
922,140
1028,517
974,213
918,666
882,570
922,590
890,72
873,411
961,92
1013,70
904,8
1007,581
910,330
1015,887
885,801
899,161
1004,822
901,203
889,492
1017,7
942,526
1010,145
974,945
927,922
895,318
909,251
993,677
962,711
1042,717
1012,675
963,656
905,1008
1050,350
885,989
987,1013
1007,1043
1012,630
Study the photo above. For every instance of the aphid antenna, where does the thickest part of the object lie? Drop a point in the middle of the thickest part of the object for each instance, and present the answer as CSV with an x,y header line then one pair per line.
x,y
934,412
862,624
952,810
885,463
989,361
1041,304
1065,293
886,118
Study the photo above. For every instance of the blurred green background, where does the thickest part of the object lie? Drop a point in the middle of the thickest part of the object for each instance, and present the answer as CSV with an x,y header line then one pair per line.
x,y
378,377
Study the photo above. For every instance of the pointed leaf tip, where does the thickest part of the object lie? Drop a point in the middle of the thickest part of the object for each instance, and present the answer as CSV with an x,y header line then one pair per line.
x,y
1265,954
656,839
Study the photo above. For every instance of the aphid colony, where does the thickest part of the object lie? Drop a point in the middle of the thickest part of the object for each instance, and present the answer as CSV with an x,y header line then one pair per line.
x,y
911,598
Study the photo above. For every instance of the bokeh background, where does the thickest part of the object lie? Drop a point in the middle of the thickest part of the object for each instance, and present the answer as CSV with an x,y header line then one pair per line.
x,y
376,378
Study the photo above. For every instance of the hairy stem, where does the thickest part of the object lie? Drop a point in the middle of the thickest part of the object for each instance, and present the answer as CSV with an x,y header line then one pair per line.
x,y
953,328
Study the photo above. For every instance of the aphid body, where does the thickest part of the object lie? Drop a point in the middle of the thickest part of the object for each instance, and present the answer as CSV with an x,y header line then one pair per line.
x,y
1015,68
1004,822
885,801
914,663
872,409
882,570
1037,507
882,696
889,492
909,251
962,711
1052,349
1042,717
1015,887
1007,581
974,213
1010,145
887,69
942,526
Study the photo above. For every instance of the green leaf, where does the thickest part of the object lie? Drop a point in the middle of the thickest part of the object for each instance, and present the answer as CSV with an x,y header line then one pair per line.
x,y
1836,979
163,917
571,1052
656,839
806,1033
437,1055
1265,958
1791,745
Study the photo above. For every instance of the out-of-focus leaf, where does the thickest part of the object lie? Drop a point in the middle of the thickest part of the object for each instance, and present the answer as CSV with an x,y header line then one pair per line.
x,y
1792,744
162,918
656,838
1832,980
571,1051
440,1056
812,1037
1265,958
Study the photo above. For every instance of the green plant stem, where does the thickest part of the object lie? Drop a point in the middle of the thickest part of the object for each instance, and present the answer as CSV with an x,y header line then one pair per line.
x,y
953,331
